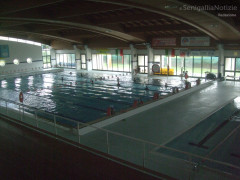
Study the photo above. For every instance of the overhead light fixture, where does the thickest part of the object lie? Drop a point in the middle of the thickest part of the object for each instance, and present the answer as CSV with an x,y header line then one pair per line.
x,y
29,60
2,63
16,61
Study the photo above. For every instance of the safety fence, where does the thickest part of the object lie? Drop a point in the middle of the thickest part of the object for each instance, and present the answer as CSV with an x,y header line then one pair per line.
x,y
174,163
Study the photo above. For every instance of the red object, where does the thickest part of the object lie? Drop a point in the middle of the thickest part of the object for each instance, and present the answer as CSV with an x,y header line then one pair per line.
x,y
186,75
135,103
121,52
173,53
21,97
156,96
182,54
109,111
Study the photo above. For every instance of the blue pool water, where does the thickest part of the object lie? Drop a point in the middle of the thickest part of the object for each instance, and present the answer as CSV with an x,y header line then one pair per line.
x,y
76,97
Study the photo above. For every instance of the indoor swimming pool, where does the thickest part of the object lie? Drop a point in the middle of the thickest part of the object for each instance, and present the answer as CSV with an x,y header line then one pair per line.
x,y
81,96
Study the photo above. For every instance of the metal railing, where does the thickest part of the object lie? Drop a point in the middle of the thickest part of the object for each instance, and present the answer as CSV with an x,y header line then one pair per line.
x,y
162,159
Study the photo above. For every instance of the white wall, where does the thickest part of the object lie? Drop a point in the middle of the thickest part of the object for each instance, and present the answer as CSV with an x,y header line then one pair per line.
x,y
21,51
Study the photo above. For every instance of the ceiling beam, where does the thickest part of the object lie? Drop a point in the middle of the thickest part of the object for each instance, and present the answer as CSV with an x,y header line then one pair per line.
x,y
91,12
9,32
13,6
169,27
91,28
158,6
128,18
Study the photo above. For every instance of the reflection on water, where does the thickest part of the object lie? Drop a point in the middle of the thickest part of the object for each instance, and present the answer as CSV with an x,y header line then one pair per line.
x,y
84,97
4,84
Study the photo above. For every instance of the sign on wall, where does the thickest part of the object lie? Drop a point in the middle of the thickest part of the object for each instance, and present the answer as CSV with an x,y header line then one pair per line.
x,y
4,51
202,53
195,41
156,42
155,68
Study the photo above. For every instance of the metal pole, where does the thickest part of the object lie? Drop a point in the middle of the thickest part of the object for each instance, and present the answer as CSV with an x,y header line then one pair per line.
x,y
107,144
6,107
144,155
78,133
35,112
20,112
23,112
55,124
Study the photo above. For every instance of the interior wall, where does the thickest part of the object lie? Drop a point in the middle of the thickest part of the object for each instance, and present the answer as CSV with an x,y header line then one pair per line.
x,y
21,51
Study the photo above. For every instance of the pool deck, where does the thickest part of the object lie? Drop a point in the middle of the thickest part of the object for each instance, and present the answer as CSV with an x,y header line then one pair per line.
x,y
165,122
162,124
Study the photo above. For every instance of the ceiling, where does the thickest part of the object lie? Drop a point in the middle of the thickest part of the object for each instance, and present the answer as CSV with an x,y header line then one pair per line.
x,y
115,23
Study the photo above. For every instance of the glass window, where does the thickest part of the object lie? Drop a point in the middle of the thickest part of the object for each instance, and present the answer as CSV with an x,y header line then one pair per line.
x,y
206,65
143,63
83,58
164,63
157,59
127,63
197,71
237,75
141,60
73,61
230,64
105,65
189,65
120,63
84,62
64,60
109,62
180,65
229,75
115,62
100,61
46,56
94,61
173,65
237,64
215,65
61,60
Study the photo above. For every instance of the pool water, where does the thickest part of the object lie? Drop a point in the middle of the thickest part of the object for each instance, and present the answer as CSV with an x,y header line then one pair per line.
x,y
82,97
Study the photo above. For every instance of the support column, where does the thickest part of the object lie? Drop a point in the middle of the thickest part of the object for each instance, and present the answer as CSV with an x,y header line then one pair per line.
x,y
77,57
88,57
221,59
150,59
133,59
53,57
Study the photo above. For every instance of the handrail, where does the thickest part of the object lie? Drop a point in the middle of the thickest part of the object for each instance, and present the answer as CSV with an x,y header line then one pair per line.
x,y
132,138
